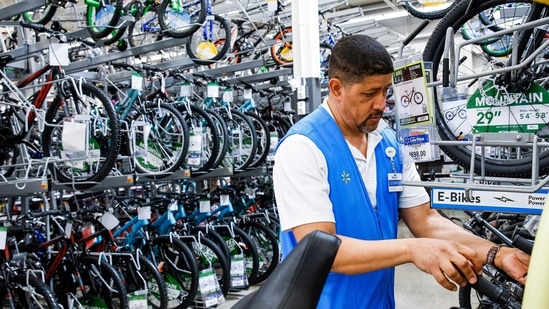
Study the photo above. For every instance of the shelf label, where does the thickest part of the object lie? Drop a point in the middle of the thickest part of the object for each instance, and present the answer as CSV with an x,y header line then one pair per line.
x,y
485,200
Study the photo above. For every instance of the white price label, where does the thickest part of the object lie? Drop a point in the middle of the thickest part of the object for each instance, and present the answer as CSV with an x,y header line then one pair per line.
x,y
213,90
185,90
228,95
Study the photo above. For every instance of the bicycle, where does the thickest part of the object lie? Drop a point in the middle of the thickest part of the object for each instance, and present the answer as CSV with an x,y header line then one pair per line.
x,y
76,105
428,9
411,96
158,136
212,43
255,40
506,85
20,286
77,279
495,289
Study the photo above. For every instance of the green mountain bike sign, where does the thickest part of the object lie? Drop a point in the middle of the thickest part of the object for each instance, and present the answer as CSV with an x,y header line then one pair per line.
x,y
497,111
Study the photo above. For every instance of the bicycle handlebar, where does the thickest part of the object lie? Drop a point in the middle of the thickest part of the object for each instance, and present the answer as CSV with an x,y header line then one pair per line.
x,y
495,293
63,37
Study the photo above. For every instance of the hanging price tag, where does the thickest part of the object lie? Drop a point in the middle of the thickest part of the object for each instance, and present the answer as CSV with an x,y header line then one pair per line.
x,y
247,93
185,90
213,90
228,95
205,205
68,229
137,81
418,146
224,200
238,272
144,213
207,287
59,54
138,299
272,5
3,237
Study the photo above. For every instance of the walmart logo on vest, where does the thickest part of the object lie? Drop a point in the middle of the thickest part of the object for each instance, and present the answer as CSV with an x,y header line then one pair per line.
x,y
345,177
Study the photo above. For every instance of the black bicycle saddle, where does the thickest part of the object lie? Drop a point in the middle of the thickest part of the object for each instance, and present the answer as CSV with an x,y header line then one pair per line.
x,y
298,281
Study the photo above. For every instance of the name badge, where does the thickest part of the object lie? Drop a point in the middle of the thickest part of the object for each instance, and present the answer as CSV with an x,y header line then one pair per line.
x,y
395,182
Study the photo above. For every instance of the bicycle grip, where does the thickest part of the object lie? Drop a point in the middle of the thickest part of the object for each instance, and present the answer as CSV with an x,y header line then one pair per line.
x,y
37,27
416,31
445,72
523,244
490,290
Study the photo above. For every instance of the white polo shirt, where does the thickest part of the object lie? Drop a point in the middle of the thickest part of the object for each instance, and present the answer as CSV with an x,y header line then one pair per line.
x,y
300,179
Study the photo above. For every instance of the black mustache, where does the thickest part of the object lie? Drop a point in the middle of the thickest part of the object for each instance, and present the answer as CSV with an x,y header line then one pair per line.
x,y
375,114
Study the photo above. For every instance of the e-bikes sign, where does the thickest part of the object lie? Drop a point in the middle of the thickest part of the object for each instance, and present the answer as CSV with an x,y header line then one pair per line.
x,y
495,201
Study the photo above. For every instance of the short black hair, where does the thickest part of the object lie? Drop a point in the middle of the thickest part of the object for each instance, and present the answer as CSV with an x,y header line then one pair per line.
x,y
357,56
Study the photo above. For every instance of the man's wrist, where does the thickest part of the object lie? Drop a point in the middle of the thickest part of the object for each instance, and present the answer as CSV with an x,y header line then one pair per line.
x,y
492,253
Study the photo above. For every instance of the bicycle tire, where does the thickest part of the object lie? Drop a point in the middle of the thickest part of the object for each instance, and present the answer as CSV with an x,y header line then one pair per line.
x,y
203,51
214,236
263,139
176,263
198,118
167,146
281,51
100,280
242,139
102,17
493,166
145,277
245,243
414,8
222,130
48,13
267,245
41,294
192,14
208,253
139,34
104,137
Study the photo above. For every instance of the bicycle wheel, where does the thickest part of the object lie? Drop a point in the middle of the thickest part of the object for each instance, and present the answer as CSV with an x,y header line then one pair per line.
x,y
41,15
201,126
177,265
429,9
267,246
181,18
242,139
211,42
146,28
102,17
102,129
26,292
239,242
98,285
281,50
491,107
210,233
263,139
165,148
222,130
142,275
208,254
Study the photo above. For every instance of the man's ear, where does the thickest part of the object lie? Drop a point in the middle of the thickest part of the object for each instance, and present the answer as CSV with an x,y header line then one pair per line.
x,y
336,87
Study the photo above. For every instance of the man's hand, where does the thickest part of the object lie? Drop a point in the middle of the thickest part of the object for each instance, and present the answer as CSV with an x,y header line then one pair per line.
x,y
449,262
514,262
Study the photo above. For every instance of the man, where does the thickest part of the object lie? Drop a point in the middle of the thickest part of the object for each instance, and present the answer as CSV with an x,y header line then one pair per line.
x,y
332,173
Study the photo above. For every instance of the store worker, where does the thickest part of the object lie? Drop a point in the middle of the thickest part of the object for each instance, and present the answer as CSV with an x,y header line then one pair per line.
x,y
332,173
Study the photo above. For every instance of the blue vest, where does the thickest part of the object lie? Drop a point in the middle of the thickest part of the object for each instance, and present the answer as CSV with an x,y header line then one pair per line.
x,y
354,214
